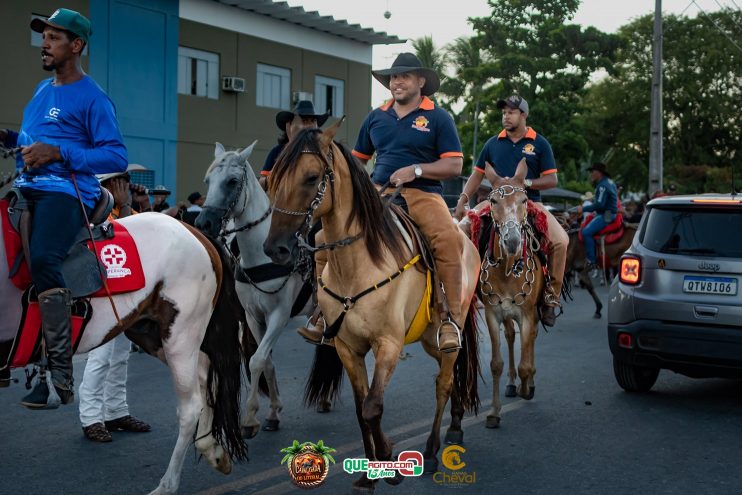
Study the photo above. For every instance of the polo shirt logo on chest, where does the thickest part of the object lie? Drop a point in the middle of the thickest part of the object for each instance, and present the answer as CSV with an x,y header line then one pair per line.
x,y
529,149
421,124
53,114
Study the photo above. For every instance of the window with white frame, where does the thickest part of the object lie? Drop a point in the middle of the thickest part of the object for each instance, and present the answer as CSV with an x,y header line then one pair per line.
x,y
198,73
273,87
37,38
328,95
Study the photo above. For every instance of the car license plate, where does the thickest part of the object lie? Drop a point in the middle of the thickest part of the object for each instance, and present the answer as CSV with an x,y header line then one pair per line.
x,y
710,285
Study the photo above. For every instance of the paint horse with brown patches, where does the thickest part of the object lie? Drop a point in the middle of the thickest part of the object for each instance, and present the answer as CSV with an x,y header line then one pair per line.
x,y
372,271
511,285
188,316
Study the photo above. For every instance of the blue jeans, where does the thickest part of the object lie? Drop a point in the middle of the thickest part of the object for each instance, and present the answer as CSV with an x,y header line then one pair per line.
x,y
596,225
57,219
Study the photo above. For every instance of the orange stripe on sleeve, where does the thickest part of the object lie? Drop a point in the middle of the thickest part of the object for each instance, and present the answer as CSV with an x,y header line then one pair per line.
x,y
550,171
360,155
265,173
480,170
449,154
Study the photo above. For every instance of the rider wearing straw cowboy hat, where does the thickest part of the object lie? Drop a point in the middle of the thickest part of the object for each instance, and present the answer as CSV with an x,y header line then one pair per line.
x,y
417,146
69,133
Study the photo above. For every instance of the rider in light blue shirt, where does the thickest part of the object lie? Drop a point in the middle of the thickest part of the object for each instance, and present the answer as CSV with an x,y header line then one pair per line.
x,y
605,205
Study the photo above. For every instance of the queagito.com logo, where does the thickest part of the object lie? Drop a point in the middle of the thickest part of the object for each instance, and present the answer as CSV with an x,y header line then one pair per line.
x,y
408,463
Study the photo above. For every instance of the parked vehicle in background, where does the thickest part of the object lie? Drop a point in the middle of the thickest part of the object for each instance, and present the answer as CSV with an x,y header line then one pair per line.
x,y
676,302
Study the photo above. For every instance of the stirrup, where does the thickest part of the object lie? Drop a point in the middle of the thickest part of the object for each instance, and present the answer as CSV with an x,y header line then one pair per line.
x,y
448,321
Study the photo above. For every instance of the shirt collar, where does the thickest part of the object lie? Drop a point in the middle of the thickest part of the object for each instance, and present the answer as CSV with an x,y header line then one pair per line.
x,y
425,104
530,134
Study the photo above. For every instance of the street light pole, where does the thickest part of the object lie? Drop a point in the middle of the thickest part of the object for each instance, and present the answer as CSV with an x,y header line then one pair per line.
x,y
655,133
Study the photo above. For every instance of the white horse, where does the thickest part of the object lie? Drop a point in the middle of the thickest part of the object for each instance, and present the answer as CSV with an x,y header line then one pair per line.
x,y
234,194
185,317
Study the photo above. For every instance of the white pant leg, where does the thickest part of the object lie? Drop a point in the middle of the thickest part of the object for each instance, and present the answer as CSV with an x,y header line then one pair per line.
x,y
114,390
93,380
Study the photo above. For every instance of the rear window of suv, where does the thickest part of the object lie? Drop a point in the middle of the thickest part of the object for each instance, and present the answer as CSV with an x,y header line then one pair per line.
x,y
694,231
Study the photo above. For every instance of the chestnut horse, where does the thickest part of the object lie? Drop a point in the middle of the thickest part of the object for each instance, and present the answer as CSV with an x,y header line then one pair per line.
x,y
511,285
188,316
317,178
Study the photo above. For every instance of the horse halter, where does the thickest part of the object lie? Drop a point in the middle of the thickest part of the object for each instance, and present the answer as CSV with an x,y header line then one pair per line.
x,y
503,192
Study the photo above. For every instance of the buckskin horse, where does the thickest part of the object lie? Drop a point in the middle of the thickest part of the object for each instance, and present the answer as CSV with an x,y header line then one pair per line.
x,y
187,316
270,294
608,256
369,290
511,285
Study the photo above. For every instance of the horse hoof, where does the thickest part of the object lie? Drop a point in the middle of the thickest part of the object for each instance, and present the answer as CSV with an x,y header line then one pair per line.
x,y
397,479
362,489
510,391
597,316
250,431
270,425
492,422
430,465
454,437
323,407
531,393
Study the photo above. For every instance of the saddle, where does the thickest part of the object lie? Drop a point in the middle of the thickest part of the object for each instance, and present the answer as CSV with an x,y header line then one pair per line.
x,y
117,262
610,233
483,234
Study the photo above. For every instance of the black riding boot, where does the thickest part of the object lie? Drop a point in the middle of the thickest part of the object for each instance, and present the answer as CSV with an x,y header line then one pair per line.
x,y
56,323
5,348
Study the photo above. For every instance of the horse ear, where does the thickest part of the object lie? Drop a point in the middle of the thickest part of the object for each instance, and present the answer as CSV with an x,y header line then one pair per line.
x,y
218,150
245,154
521,171
329,134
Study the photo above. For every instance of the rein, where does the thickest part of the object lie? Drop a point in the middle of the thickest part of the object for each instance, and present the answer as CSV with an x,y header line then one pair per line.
x,y
349,301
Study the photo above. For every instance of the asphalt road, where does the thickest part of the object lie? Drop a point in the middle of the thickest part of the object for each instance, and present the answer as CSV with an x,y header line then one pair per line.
x,y
580,434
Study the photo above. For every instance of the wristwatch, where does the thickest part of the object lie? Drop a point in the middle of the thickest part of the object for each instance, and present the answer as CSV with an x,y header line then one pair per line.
x,y
528,183
418,171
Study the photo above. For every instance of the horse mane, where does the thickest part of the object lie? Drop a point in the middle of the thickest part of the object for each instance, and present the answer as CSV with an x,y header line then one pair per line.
x,y
372,214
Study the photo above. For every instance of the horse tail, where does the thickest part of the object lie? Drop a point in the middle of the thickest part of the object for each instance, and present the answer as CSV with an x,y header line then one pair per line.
x,y
466,369
222,344
249,347
325,378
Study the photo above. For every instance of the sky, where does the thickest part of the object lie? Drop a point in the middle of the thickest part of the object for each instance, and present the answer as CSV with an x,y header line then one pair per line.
x,y
412,19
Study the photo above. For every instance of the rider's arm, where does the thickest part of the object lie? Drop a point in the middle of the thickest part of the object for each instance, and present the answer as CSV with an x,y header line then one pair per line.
x,y
600,200
470,189
548,170
545,182
108,153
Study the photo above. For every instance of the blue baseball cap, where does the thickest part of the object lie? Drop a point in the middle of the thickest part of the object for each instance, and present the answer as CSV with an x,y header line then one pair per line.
x,y
68,20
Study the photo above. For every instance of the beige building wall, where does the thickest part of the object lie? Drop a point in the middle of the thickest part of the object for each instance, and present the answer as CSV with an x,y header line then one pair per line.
x,y
234,119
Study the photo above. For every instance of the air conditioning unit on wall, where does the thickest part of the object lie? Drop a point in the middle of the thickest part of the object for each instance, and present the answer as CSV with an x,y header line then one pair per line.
x,y
233,84
302,95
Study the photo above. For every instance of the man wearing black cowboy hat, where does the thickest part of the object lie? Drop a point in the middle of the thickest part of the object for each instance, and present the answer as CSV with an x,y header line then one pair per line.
x,y
417,146
302,117
605,205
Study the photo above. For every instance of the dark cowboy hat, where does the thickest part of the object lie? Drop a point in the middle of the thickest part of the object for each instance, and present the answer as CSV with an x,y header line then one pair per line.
x,y
303,108
600,167
408,62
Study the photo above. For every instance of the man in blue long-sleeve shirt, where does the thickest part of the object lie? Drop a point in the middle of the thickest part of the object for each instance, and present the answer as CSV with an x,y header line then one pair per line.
x,y
605,206
69,133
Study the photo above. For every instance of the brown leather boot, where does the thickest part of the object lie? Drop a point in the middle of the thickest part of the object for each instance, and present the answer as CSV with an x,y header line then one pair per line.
x,y
548,315
312,333
449,336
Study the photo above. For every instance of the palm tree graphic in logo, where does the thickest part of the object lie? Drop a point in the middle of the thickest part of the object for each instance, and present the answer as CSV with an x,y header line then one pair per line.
x,y
308,463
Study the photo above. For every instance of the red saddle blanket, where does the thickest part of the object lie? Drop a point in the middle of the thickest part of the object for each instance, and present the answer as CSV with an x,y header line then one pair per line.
x,y
612,232
119,255
535,215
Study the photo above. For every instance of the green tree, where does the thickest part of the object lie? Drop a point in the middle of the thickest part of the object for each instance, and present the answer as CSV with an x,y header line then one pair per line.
x,y
702,103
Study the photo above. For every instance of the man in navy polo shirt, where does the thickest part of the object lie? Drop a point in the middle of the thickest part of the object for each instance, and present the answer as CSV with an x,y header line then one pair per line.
x,y
416,145
501,154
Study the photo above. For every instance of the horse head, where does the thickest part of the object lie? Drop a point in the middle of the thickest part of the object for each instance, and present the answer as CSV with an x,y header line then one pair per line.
x,y
301,191
231,183
509,207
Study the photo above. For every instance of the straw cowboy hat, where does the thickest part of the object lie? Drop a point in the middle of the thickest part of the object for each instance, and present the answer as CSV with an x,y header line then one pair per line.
x,y
408,62
588,196
303,108
131,168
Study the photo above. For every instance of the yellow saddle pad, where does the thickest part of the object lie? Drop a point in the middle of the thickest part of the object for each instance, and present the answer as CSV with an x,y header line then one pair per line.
x,y
423,316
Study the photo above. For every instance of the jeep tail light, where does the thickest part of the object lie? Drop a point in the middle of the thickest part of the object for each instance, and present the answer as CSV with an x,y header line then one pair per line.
x,y
631,269
624,340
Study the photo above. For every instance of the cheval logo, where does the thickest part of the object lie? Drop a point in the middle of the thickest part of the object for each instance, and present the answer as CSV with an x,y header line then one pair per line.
x,y
54,114
308,463
452,461
529,149
421,124
709,267
114,257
